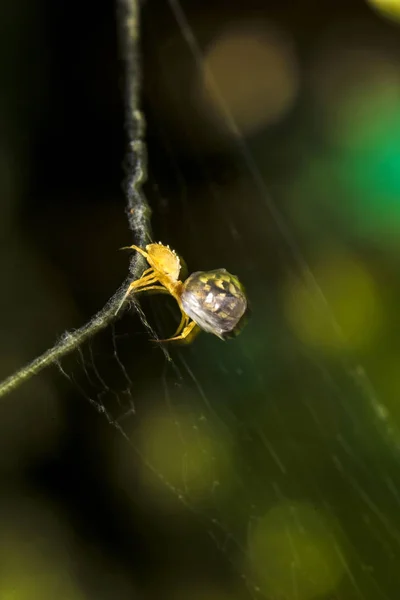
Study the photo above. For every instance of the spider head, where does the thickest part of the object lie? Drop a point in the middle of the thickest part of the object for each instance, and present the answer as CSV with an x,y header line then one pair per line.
x,y
164,260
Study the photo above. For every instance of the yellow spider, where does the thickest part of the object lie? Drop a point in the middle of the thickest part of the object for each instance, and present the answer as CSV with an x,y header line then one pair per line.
x,y
215,301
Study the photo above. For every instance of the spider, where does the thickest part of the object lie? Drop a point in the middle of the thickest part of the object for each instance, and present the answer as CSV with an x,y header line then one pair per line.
x,y
214,301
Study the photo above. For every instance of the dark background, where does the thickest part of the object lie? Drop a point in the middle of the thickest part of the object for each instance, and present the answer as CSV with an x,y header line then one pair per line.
x,y
267,465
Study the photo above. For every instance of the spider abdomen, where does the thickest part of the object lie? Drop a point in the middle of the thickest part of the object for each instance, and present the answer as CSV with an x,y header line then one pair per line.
x,y
215,300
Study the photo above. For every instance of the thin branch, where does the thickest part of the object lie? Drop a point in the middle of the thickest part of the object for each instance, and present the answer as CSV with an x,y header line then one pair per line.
x,y
137,208
68,342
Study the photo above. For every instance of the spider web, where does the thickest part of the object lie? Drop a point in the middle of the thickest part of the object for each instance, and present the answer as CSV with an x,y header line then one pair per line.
x,y
285,455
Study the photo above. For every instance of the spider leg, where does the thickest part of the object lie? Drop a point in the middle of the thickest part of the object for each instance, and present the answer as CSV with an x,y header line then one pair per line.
x,y
182,335
146,272
182,324
139,283
142,282
133,247
143,253
152,287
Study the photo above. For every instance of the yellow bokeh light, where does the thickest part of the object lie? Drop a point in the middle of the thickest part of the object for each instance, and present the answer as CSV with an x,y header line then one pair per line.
x,y
388,8
295,553
249,75
195,590
184,452
34,551
338,308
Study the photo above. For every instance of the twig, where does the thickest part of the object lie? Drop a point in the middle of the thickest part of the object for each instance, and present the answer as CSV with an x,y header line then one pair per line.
x,y
68,342
137,208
